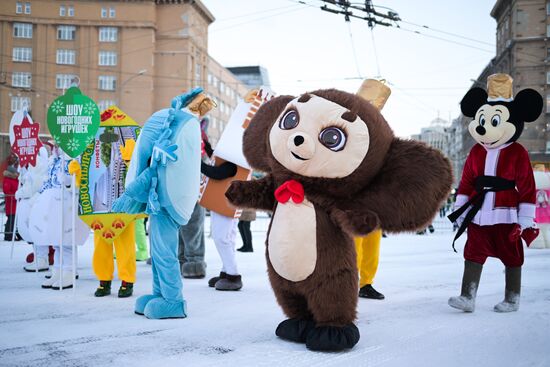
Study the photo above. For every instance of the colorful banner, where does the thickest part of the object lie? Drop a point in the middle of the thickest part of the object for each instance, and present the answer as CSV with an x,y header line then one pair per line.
x,y
103,173
24,138
73,120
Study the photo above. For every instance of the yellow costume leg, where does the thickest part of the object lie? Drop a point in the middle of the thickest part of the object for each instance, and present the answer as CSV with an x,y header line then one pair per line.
x,y
102,261
125,248
368,254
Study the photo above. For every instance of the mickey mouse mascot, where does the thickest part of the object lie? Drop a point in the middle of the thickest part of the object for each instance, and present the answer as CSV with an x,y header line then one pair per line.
x,y
496,196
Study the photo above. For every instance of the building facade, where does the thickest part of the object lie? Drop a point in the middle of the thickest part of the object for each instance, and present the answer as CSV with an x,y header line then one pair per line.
x,y
251,76
137,54
523,51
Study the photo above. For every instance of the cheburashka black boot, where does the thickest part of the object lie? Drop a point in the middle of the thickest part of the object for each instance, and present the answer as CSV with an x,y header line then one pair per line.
x,y
512,292
470,282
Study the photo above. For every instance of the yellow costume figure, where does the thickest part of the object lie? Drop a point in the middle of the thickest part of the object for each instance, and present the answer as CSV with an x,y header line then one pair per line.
x,y
103,262
368,247
368,254
125,250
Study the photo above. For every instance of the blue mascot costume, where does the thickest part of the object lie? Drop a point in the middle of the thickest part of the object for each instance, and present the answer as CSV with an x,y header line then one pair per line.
x,y
163,180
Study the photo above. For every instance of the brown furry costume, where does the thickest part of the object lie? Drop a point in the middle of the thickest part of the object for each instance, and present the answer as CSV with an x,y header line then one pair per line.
x,y
398,186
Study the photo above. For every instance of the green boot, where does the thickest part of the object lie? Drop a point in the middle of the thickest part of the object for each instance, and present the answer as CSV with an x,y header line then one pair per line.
x,y
142,253
126,289
104,288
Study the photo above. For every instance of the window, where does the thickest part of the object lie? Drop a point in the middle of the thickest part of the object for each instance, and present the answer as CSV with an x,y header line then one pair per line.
x,y
222,87
71,11
66,57
22,30
18,7
198,73
22,54
112,12
104,12
548,103
18,102
20,79
62,10
108,34
27,8
209,78
548,8
63,81
548,77
548,30
107,58
66,32
107,82
106,103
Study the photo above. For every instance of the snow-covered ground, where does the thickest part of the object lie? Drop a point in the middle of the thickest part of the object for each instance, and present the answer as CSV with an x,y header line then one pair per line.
x,y
412,327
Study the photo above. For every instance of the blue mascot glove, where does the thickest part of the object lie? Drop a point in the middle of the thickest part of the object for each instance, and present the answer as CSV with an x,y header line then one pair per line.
x,y
163,151
136,195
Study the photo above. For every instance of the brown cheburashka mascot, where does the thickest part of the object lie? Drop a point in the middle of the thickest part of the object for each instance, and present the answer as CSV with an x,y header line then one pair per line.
x,y
334,170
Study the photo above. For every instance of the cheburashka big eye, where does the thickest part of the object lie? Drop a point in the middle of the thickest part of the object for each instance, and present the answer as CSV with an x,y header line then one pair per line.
x,y
333,138
289,120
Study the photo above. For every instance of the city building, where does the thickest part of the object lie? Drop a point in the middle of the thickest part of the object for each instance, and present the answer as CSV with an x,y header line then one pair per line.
x,y
523,51
136,54
436,135
252,76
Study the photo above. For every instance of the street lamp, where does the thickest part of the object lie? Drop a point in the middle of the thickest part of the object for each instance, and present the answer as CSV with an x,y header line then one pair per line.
x,y
139,73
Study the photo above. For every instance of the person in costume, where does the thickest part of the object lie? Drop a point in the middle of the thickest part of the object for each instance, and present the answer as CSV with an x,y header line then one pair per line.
x,y
32,178
51,214
9,187
224,231
334,170
542,216
191,246
247,216
163,180
496,196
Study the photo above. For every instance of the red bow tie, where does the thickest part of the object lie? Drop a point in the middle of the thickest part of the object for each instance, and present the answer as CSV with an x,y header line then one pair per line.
x,y
290,189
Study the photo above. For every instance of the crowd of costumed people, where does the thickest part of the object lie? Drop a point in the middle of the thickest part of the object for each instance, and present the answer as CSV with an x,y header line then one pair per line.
x,y
327,168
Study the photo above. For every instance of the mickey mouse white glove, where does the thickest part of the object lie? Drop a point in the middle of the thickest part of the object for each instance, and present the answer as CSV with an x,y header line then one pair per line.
x,y
525,222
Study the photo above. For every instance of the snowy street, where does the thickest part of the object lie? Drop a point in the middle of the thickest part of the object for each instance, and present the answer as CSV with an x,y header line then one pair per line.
x,y
413,326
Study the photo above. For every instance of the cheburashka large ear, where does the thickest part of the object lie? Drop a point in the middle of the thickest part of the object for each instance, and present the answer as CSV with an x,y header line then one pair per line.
x,y
528,104
409,189
256,136
472,101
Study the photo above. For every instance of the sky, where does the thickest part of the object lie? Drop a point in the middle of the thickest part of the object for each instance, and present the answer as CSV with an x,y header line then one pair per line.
x,y
304,48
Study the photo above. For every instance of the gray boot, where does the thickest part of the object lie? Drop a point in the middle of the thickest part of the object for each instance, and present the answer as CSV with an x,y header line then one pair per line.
x,y
470,282
193,270
512,292
229,283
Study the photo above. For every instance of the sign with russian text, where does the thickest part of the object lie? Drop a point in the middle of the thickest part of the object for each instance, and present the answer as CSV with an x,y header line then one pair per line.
x,y
24,138
73,121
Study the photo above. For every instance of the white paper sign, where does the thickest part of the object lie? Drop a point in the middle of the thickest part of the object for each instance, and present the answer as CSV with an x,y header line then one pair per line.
x,y
230,145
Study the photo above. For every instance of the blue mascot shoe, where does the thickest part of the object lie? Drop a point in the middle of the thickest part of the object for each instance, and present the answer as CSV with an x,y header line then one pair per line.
x,y
142,301
159,308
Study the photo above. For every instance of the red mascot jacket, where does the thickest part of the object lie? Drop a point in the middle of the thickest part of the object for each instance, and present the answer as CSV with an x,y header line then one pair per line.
x,y
509,161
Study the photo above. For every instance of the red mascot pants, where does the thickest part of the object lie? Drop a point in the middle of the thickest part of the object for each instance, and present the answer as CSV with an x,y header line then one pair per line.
x,y
493,241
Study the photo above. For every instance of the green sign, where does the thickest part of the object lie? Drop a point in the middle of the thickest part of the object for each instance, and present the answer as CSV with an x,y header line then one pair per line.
x,y
73,121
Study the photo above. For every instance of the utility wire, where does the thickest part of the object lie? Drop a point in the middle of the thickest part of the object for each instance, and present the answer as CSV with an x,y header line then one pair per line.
x,y
353,50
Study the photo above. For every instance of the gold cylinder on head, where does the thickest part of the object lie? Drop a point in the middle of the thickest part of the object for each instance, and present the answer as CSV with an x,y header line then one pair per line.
x,y
375,91
499,87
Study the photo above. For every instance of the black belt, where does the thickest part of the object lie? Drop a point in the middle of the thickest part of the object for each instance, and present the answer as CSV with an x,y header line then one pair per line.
x,y
483,185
